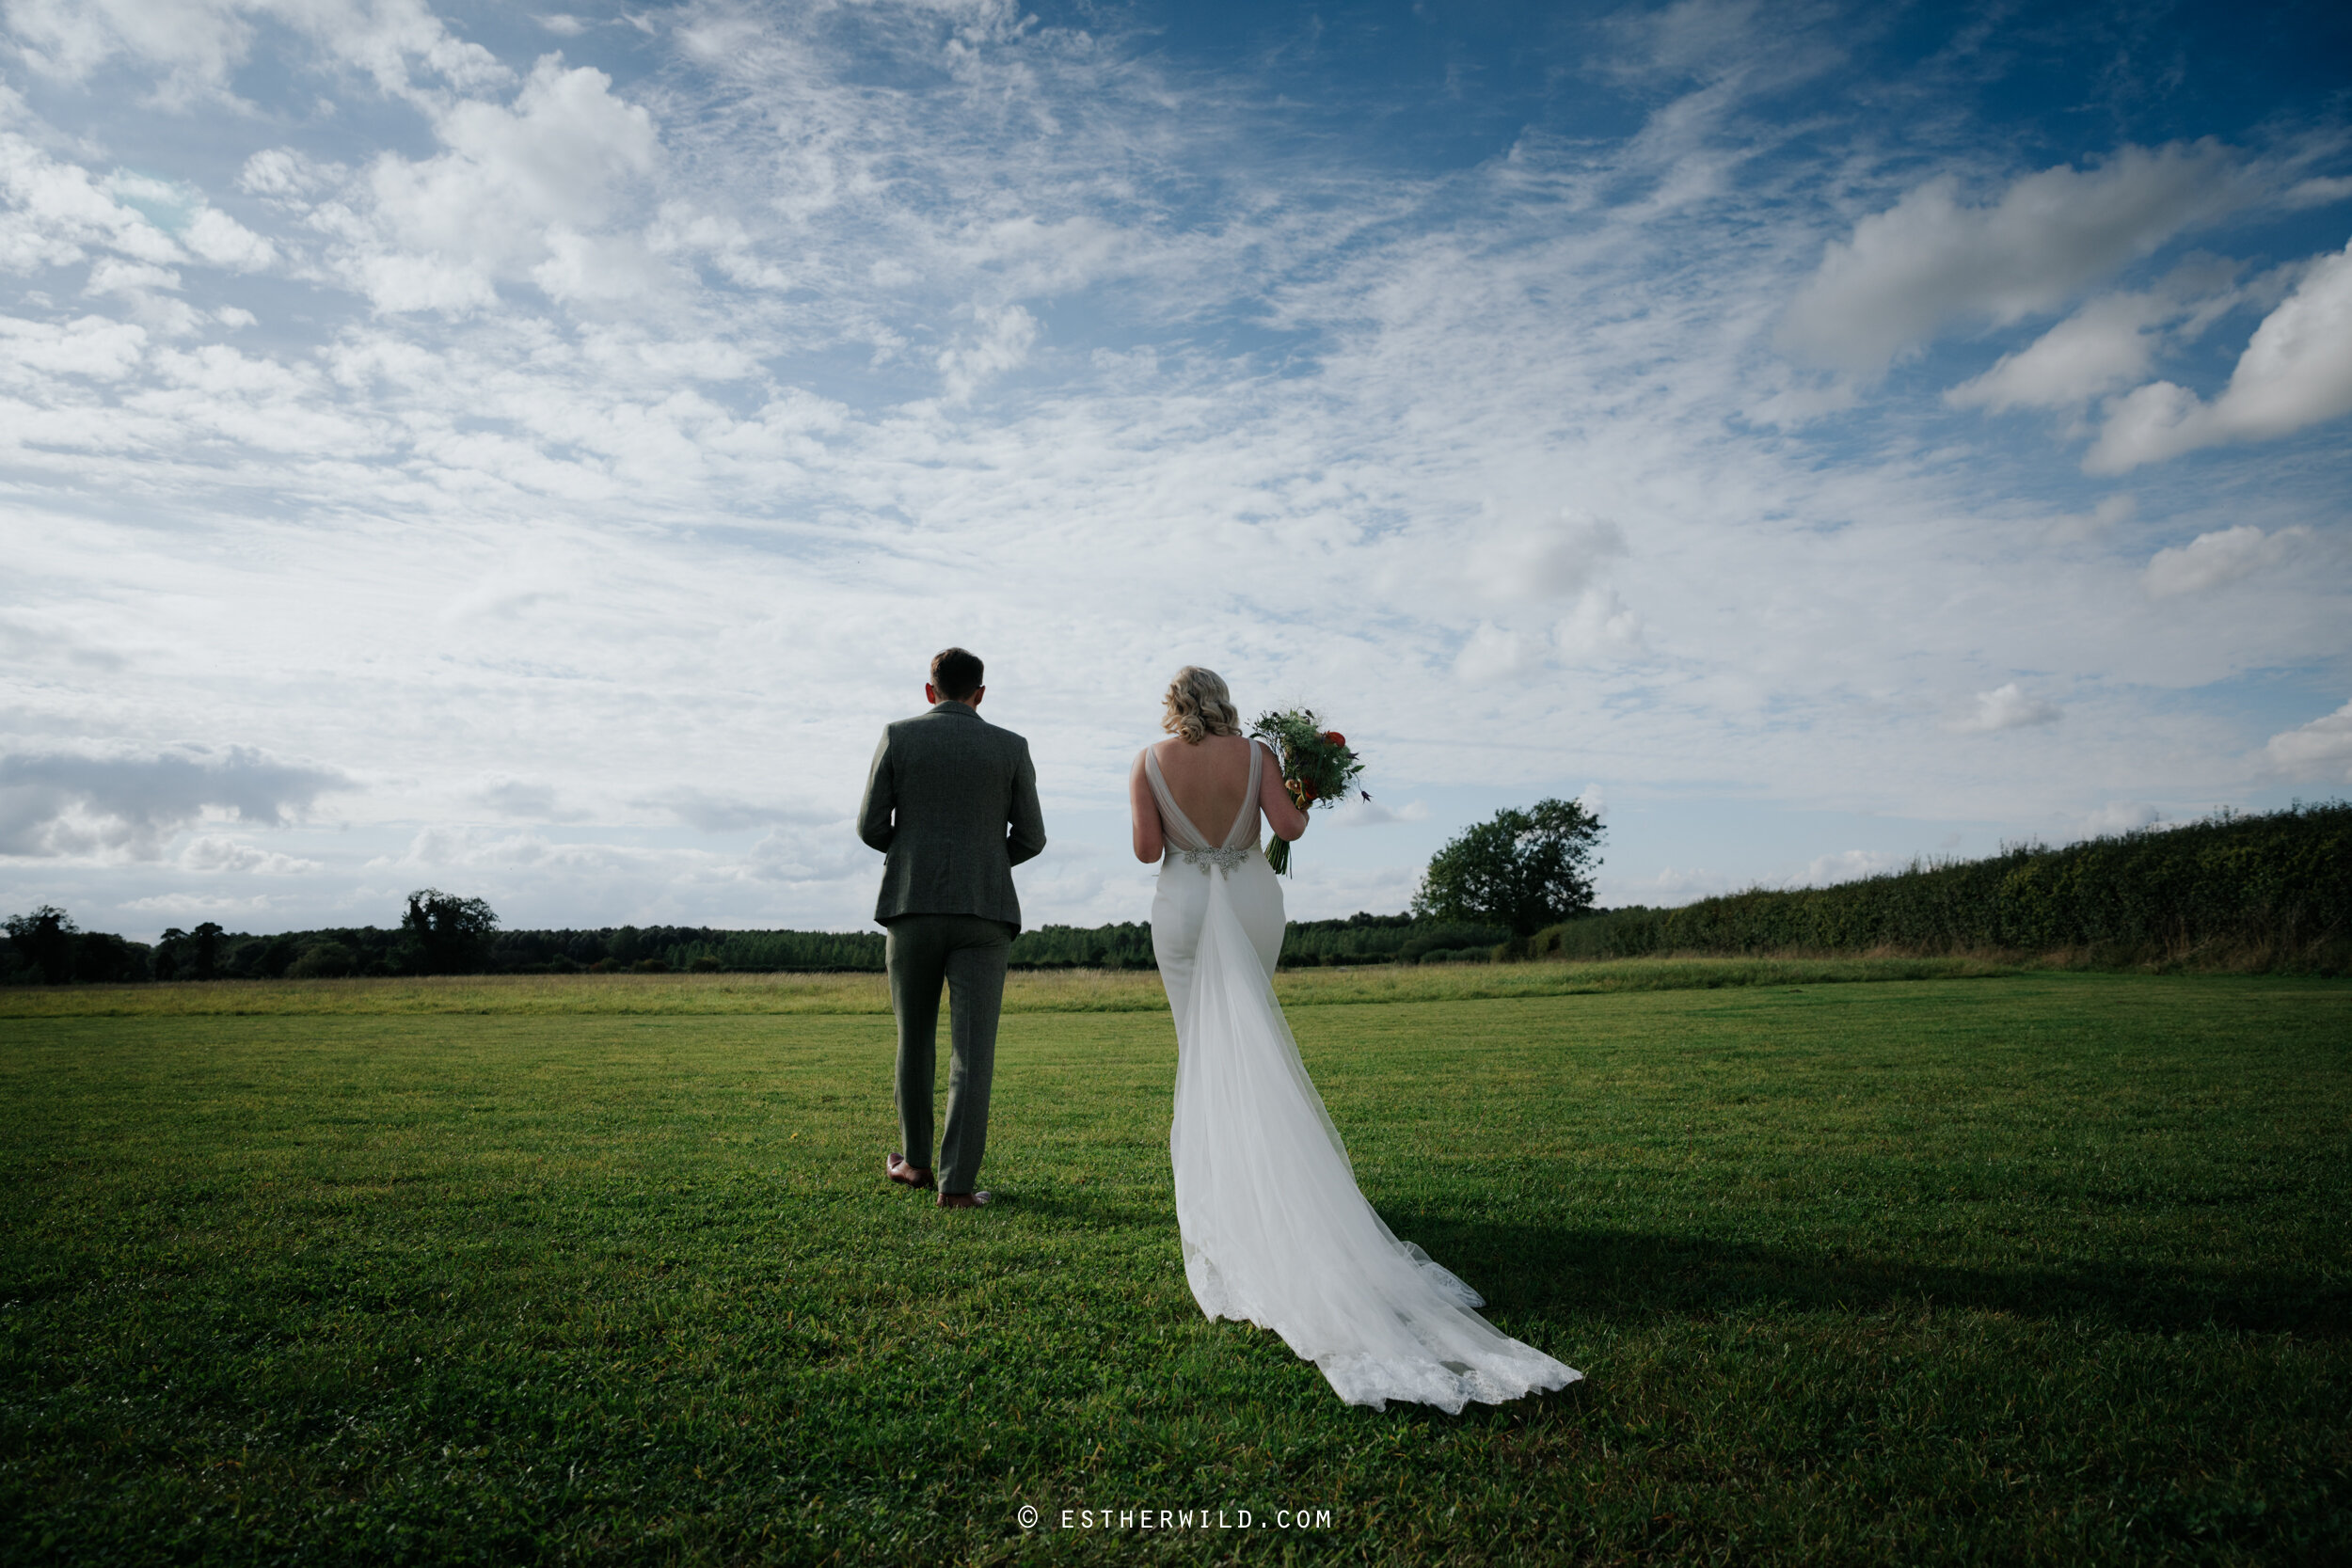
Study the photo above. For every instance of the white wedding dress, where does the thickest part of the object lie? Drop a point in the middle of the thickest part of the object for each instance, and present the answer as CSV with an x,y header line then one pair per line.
x,y
1275,1230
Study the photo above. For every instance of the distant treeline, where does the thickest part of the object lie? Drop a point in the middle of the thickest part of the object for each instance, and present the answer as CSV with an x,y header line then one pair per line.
x,y
2272,891
53,952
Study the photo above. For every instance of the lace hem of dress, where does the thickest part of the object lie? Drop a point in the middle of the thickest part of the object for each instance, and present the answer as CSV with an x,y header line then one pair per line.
x,y
1509,1372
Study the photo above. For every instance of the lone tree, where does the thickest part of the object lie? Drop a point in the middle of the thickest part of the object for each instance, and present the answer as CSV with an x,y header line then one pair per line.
x,y
1525,869
444,934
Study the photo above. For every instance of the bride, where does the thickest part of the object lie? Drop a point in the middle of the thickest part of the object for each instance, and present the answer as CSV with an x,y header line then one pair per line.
x,y
1273,1228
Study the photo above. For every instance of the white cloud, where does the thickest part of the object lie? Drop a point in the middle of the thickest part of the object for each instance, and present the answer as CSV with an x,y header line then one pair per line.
x,y
1491,653
720,814
32,639
288,174
195,45
1599,623
1846,865
201,905
2106,344
142,230
2212,559
55,210
721,239
65,803
533,800
110,274
2118,816
1668,887
1361,812
215,852
91,346
2297,371
529,191
221,240
2322,747
1004,337
1931,260
1555,559
2005,707
810,854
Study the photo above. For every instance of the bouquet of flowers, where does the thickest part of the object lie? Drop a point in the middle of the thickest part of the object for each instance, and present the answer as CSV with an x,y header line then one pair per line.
x,y
1317,767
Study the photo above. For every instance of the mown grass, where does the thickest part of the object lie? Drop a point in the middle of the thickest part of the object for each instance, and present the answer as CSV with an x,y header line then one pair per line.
x,y
2042,1268
1053,990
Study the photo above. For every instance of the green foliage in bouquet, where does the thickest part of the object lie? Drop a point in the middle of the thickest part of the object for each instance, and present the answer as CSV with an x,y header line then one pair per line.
x,y
1317,767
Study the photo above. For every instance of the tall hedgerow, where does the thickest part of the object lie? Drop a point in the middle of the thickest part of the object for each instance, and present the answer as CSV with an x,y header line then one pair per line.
x,y
2272,889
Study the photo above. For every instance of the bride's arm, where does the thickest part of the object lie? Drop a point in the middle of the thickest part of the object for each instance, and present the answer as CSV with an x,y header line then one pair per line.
x,y
1282,816
1146,812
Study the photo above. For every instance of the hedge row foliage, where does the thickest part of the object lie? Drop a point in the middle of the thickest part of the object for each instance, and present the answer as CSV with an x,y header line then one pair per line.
x,y
71,955
2267,891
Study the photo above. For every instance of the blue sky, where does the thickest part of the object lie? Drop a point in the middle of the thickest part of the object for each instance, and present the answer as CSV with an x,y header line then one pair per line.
x,y
532,453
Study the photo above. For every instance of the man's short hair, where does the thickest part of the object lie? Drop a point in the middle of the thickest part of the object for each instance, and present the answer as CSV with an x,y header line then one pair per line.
x,y
957,673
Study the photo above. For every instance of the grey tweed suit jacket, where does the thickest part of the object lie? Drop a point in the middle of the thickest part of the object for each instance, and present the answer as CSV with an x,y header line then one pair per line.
x,y
951,799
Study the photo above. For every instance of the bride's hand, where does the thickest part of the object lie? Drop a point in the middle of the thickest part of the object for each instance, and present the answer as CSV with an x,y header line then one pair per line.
x,y
1285,808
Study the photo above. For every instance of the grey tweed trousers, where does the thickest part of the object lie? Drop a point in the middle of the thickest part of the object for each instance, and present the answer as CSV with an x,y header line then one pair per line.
x,y
967,953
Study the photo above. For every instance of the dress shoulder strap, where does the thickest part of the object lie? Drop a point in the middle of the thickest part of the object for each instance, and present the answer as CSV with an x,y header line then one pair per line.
x,y
1245,828
1175,826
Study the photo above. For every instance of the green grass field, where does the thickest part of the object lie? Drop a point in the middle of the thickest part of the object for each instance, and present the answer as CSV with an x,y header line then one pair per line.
x,y
1975,1267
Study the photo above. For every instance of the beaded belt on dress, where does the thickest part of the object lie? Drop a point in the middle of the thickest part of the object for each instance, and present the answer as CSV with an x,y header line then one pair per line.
x,y
1224,859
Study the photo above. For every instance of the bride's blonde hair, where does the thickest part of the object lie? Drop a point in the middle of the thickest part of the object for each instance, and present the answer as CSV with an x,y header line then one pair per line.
x,y
1199,706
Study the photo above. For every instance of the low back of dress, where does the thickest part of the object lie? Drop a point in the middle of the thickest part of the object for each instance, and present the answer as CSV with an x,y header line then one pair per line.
x,y
1178,828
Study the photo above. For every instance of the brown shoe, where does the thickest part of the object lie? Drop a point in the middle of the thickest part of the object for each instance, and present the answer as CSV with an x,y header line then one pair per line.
x,y
914,1176
965,1201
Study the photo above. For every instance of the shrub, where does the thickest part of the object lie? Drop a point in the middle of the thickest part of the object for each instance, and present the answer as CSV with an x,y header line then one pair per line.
x,y
1127,945
323,960
706,964
651,966
1438,936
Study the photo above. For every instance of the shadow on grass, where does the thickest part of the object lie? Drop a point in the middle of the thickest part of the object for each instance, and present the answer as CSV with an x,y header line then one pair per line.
x,y
1636,1275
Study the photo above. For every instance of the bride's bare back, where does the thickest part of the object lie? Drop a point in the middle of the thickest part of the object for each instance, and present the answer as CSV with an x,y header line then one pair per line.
x,y
1207,780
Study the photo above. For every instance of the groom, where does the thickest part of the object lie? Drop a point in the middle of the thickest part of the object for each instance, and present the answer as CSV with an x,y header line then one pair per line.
x,y
951,799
